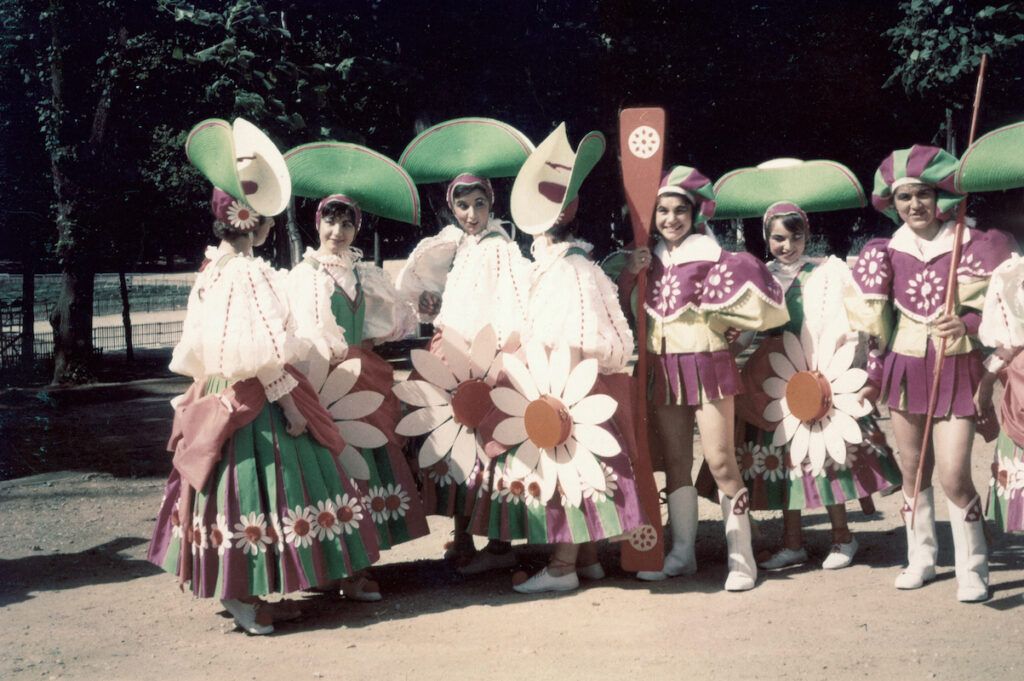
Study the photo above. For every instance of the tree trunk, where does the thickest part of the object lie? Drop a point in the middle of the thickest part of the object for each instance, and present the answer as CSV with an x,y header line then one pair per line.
x,y
28,304
294,236
126,315
72,325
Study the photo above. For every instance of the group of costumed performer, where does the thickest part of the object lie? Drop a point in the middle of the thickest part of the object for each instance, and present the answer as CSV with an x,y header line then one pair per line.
x,y
257,502
470,282
806,437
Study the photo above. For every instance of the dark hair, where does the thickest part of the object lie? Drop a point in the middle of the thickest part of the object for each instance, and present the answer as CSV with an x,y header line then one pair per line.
x,y
335,210
466,189
224,231
694,227
792,222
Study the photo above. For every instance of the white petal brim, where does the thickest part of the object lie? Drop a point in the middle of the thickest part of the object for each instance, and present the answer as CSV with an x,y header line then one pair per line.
x,y
841,361
511,431
849,403
537,360
580,382
776,410
359,434
775,387
483,351
340,381
464,453
433,369
785,431
439,443
421,394
354,464
457,359
560,365
848,427
524,460
794,351
851,381
596,439
423,420
782,367
356,405
509,401
520,376
594,409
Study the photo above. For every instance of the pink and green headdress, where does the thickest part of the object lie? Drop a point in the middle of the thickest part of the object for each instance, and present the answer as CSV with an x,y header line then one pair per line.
x,y
808,186
920,164
697,189
361,178
466,151
994,162
248,173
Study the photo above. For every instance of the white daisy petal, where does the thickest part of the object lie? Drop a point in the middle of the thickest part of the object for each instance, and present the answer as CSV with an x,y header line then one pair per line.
x,y
340,381
850,381
509,401
794,351
559,369
520,376
511,431
848,427
594,409
775,387
834,442
782,367
463,455
481,354
580,382
359,434
816,448
354,464
356,405
316,370
421,394
525,459
439,443
456,359
423,421
776,410
849,403
801,438
841,361
547,471
537,360
596,439
455,338
809,348
568,476
433,369
785,431
589,468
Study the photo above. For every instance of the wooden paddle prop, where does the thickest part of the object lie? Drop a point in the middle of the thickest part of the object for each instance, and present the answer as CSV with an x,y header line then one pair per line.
x,y
951,291
641,148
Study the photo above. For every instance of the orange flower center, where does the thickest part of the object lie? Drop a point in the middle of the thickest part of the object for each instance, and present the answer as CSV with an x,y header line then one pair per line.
x,y
216,538
378,504
325,519
345,514
547,421
517,488
301,527
808,396
253,533
470,402
771,462
393,502
534,489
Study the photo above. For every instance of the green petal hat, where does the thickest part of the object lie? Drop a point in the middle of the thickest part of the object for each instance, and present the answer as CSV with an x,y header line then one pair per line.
x,y
920,164
994,162
548,184
816,186
240,160
481,146
376,183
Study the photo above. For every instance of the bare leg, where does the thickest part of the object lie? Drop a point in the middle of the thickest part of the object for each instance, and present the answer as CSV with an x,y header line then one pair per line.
x,y
840,530
952,442
715,420
908,429
674,429
792,532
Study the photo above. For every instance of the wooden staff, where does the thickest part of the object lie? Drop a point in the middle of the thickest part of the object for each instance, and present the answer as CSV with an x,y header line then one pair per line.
x,y
951,291
641,149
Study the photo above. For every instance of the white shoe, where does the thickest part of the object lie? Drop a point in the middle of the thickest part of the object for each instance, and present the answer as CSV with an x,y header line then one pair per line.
x,y
485,561
784,557
593,572
245,615
544,581
361,589
921,547
970,551
682,515
841,555
742,568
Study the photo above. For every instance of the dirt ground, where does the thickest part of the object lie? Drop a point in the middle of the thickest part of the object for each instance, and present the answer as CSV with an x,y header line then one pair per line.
x,y
79,601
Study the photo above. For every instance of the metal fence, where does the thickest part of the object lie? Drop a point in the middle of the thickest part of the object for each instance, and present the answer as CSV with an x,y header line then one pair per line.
x,y
111,338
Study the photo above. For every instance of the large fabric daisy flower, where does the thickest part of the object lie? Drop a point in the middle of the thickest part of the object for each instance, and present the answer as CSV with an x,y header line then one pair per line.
x,y
815,401
556,422
349,512
453,397
299,526
251,533
241,216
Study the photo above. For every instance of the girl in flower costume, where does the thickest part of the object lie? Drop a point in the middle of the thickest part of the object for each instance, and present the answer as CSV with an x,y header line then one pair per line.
x,y
468,277
563,430
995,162
257,502
898,296
798,449
345,306
697,291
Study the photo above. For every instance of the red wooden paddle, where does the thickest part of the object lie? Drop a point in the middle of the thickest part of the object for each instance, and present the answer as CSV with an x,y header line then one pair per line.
x,y
951,296
641,148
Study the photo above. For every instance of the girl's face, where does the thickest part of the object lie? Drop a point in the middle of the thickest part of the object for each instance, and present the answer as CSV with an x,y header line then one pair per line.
x,y
337,233
673,217
785,246
472,211
917,205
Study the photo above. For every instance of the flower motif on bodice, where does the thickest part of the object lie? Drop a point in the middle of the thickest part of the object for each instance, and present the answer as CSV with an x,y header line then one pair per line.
x,y
971,266
925,290
719,283
668,289
871,269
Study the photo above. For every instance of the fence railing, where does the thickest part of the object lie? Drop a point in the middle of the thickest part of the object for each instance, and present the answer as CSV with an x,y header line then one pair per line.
x,y
111,338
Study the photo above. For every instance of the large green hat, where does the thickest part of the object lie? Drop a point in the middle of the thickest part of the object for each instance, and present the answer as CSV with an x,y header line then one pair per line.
x,y
549,182
816,186
378,184
994,162
239,159
481,146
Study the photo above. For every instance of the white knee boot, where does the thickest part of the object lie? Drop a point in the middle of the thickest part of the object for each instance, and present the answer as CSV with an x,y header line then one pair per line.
x,y
742,568
682,516
922,550
970,551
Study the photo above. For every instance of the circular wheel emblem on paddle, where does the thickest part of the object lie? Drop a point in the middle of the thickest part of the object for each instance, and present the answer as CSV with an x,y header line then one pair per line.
x,y
809,396
644,141
547,422
471,401
643,538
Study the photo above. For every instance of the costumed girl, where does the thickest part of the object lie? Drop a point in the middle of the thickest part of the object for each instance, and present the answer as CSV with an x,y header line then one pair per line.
x,y
564,414
995,162
696,292
339,301
899,297
470,276
256,502
806,438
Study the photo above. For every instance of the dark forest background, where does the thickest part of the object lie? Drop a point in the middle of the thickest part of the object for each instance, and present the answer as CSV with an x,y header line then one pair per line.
x,y
98,96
